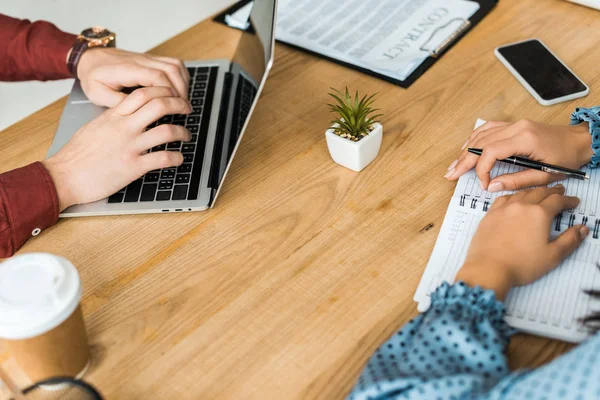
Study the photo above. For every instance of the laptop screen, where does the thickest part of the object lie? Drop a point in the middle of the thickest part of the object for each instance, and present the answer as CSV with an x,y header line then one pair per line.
x,y
250,65
255,48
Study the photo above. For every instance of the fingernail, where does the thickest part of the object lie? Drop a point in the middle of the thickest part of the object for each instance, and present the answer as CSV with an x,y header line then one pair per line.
x,y
584,231
559,186
449,173
464,145
453,165
495,187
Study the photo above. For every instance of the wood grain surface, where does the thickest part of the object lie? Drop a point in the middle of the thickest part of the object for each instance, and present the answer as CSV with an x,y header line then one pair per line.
x,y
303,268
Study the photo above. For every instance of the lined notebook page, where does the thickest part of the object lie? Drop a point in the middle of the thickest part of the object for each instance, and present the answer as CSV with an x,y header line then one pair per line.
x,y
549,307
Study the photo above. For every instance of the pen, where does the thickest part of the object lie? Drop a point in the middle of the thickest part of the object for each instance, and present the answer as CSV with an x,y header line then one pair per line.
x,y
540,166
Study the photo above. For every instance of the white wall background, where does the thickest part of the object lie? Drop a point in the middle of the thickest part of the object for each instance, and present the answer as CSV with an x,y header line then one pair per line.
x,y
139,24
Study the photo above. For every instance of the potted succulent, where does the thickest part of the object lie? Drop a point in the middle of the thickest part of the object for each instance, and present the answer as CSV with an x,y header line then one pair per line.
x,y
355,137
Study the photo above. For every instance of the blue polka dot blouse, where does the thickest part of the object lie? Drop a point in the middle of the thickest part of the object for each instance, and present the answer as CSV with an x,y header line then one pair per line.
x,y
592,117
456,350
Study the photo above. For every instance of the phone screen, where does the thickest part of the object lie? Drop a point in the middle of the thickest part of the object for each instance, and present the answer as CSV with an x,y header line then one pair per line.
x,y
542,70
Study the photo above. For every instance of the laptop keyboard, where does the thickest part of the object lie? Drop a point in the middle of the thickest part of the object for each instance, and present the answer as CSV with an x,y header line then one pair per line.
x,y
183,182
246,92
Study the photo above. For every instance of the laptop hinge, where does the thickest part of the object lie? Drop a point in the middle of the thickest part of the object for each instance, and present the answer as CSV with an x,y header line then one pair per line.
x,y
215,168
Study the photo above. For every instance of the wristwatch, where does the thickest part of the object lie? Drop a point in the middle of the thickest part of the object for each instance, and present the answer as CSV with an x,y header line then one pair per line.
x,y
91,37
592,116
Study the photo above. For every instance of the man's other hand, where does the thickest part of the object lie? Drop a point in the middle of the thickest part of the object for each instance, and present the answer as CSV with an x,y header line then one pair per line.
x,y
104,72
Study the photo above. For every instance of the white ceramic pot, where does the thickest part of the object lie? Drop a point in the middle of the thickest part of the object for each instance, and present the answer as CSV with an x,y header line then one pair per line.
x,y
355,155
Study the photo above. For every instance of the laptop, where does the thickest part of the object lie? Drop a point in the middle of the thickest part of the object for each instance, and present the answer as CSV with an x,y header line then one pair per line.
x,y
223,94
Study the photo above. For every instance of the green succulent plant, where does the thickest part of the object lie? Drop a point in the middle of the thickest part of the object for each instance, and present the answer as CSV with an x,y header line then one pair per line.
x,y
355,117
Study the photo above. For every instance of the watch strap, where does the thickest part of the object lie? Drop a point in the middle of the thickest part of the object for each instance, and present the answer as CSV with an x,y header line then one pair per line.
x,y
77,50
592,117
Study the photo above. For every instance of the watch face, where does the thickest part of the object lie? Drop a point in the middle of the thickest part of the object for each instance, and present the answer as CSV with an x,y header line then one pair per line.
x,y
96,33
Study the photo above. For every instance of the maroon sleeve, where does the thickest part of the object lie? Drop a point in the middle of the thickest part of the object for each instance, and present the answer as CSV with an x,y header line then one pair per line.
x,y
28,205
33,51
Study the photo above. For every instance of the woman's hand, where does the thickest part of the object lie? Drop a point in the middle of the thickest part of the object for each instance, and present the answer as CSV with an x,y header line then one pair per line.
x,y
567,146
104,72
511,246
108,153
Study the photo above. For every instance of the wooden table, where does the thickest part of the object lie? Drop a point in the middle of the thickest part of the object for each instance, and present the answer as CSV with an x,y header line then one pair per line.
x,y
303,268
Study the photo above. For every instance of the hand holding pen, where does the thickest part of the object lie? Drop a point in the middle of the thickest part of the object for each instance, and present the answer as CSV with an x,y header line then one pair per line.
x,y
565,146
538,166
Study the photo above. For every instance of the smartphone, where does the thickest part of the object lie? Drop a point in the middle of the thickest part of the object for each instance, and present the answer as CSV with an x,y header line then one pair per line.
x,y
543,74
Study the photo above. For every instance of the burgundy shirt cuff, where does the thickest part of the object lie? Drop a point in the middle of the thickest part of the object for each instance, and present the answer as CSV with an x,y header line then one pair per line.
x,y
29,202
62,43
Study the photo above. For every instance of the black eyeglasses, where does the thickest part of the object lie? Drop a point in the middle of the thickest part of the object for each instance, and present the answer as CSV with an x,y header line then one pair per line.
x,y
59,388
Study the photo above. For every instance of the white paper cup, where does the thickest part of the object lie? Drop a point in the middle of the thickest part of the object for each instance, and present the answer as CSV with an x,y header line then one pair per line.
x,y
40,318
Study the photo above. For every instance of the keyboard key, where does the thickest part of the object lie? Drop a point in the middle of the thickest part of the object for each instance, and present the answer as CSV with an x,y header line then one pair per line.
x,y
180,123
198,94
151,177
163,195
179,117
193,129
133,191
193,139
197,102
180,192
196,111
199,87
182,178
188,148
165,185
174,146
202,77
193,120
159,148
202,136
188,157
191,71
117,197
183,168
148,192
202,70
167,174
165,120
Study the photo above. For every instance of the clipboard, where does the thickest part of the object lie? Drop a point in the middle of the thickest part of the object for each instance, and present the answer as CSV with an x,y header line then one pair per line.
x,y
485,7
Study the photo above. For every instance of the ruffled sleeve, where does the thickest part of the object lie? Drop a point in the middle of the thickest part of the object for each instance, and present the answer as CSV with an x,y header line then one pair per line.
x,y
457,349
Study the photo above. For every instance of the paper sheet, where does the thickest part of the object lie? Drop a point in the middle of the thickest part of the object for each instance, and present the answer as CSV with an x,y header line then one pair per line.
x,y
391,37
553,305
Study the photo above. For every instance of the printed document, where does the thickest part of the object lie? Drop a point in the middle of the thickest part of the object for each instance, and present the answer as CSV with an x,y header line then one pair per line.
x,y
390,37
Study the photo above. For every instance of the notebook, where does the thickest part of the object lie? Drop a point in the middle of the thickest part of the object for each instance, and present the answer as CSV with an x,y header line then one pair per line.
x,y
553,305
588,3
